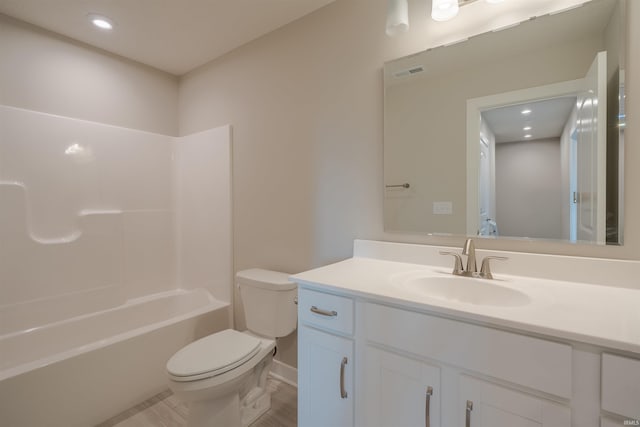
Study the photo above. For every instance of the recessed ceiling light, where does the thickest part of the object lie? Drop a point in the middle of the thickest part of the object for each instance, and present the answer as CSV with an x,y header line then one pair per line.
x,y
526,128
101,22
528,135
525,112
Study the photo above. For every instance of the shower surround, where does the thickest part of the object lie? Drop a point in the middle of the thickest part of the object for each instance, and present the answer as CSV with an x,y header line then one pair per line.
x,y
102,224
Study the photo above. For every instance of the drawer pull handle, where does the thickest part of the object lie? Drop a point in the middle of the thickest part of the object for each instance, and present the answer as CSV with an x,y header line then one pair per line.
x,y
322,312
343,391
468,416
427,417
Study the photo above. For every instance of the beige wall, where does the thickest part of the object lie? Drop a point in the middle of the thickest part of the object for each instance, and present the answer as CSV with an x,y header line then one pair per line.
x,y
306,103
44,72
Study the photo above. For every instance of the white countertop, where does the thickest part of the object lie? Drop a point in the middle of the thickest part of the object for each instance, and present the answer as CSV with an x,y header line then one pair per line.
x,y
605,316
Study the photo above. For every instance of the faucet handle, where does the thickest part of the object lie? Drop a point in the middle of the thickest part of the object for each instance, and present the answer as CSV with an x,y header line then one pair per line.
x,y
485,268
457,267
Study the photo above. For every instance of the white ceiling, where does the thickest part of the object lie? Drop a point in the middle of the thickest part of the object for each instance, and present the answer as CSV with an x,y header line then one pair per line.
x,y
172,35
547,119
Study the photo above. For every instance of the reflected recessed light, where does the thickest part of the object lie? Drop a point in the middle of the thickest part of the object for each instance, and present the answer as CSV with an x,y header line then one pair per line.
x,y
100,21
525,112
528,135
526,128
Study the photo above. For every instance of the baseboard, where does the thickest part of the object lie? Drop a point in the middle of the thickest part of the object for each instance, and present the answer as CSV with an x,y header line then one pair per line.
x,y
284,373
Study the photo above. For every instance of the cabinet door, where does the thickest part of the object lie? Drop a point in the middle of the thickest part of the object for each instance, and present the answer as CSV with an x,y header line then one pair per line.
x,y
325,380
621,386
484,404
400,391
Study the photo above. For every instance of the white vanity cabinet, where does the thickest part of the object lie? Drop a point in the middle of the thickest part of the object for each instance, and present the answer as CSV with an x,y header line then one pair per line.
x,y
369,363
415,369
325,360
480,377
561,354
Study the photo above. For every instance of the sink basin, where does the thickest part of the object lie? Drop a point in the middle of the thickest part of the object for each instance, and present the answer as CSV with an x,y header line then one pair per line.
x,y
465,290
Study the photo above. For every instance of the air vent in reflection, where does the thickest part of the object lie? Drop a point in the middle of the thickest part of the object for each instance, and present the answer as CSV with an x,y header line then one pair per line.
x,y
409,71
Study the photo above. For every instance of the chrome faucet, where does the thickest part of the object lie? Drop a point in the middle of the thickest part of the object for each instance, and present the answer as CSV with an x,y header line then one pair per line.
x,y
469,249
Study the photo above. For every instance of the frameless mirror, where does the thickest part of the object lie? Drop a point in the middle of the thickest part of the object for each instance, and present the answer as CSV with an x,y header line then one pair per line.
x,y
517,133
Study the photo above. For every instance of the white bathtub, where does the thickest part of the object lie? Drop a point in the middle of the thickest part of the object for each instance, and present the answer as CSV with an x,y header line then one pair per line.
x,y
81,371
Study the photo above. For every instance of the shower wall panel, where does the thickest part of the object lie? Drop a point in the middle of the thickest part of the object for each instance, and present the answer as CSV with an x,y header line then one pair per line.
x,y
85,209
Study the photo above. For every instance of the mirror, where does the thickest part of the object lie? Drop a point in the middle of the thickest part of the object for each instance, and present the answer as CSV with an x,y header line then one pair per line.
x,y
517,133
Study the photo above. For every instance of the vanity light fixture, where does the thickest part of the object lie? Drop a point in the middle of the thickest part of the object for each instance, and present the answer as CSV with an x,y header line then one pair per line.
x,y
397,17
441,10
100,21
444,10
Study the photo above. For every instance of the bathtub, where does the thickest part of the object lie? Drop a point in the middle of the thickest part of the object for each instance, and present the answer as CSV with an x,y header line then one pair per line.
x,y
84,370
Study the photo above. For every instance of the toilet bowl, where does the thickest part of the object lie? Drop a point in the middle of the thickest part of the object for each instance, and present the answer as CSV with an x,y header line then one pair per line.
x,y
223,377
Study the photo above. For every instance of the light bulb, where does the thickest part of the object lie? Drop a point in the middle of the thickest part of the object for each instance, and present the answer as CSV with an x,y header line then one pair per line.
x,y
444,10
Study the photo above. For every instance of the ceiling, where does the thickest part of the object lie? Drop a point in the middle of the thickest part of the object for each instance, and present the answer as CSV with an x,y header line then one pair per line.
x,y
547,119
175,36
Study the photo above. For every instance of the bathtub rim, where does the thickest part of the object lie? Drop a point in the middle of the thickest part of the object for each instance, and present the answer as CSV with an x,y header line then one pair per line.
x,y
211,305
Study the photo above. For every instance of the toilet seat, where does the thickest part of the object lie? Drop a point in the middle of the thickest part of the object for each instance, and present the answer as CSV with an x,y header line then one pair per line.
x,y
213,355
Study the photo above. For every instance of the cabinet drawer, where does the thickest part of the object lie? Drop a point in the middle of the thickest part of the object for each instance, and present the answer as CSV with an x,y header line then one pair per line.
x,y
326,311
532,362
621,385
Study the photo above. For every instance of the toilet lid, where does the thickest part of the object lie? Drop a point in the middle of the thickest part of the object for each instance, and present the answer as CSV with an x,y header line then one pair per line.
x,y
213,355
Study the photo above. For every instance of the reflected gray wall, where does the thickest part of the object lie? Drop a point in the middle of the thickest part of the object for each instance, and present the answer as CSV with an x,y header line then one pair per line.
x,y
528,197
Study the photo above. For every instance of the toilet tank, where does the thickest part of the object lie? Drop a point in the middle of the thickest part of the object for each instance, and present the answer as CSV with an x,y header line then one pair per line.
x,y
268,298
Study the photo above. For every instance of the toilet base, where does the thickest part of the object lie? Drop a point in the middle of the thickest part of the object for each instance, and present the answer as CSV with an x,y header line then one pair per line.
x,y
229,411
220,412
256,403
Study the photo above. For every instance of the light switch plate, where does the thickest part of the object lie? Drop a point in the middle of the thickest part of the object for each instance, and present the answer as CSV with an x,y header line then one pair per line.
x,y
443,208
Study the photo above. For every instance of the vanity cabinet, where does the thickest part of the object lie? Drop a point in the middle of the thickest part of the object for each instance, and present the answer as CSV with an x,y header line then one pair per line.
x,y
526,361
456,359
621,386
325,360
364,362
521,350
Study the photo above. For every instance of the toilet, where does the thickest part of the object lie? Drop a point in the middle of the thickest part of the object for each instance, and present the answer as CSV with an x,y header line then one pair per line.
x,y
223,376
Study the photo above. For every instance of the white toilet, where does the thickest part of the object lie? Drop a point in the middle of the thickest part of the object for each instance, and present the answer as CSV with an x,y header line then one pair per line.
x,y
223,376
